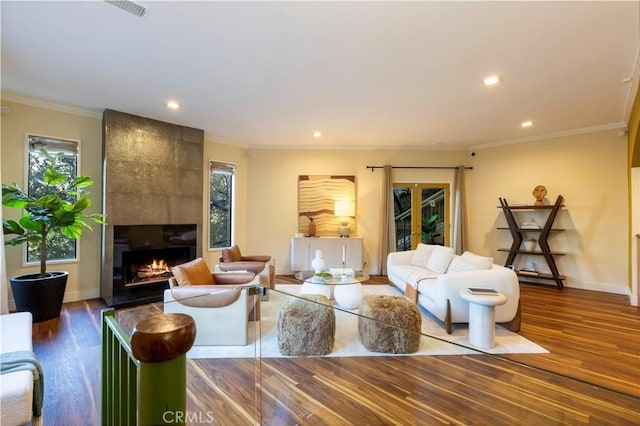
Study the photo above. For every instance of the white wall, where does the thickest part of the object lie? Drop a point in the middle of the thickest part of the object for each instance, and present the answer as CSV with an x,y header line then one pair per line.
x,y
214,151
590,172
273,192
84,275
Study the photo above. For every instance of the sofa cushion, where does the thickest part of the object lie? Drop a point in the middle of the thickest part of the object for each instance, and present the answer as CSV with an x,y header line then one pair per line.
x,y
410,273
470,262
200,296
439,259
421,255
232,254
195,272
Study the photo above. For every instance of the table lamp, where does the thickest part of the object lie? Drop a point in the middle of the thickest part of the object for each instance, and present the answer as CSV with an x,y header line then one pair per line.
x,y
344,210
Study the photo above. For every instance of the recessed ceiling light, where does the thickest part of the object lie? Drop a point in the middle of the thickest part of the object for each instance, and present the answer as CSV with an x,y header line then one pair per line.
x,y
317,134
526,124
492,80
173,105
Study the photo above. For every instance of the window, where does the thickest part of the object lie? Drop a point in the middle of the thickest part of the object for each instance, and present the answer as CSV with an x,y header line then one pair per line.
x,y
60,248
220,204
421,214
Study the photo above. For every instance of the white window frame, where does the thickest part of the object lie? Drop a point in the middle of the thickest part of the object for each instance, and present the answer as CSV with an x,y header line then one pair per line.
x,y
229,168
48,143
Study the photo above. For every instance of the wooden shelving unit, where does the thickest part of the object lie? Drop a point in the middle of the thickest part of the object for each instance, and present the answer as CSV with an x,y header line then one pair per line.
x,y
519,233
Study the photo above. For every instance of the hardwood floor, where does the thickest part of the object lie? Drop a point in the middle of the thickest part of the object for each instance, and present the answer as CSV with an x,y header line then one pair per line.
x,y
592,337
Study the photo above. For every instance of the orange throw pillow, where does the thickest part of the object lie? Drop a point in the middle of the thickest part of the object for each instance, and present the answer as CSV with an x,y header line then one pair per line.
x,y
195,272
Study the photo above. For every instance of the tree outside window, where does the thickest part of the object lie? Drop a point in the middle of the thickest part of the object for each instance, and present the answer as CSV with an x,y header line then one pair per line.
x,y
220,204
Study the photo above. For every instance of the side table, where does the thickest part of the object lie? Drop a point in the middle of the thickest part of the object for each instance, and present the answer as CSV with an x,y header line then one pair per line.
x,y
482,317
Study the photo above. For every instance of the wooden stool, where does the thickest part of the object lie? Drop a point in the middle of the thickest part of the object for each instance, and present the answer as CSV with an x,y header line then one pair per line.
x,y
306,326
389,324
160,343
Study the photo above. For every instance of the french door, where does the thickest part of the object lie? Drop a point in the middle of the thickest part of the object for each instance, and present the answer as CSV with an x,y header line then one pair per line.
x,y
421,214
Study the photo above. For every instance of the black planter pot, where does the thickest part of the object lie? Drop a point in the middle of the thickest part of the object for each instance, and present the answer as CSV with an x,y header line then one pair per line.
x,y
40,296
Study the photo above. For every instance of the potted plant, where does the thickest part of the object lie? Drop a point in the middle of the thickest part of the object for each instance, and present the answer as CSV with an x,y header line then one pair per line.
x,y
57,212
429,229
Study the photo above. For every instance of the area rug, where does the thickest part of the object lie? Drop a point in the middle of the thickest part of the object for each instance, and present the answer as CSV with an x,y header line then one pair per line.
x,y
435,341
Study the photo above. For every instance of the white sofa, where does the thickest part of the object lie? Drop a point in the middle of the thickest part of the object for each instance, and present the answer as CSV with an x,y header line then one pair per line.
x,y
16,387
437,275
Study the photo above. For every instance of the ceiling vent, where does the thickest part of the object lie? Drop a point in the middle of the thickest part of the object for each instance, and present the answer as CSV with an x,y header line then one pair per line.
x,y
129,6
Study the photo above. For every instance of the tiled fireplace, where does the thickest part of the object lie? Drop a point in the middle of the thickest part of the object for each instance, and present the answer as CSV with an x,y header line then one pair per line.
x,y
153,201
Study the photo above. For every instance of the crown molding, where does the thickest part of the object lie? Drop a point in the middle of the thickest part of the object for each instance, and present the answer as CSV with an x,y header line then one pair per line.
x,y
26,100
572,132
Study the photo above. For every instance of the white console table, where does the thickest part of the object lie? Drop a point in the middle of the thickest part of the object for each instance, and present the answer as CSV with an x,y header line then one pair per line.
x,y
303,251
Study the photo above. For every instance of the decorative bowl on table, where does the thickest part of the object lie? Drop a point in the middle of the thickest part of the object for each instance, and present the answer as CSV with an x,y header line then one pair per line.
x,y
322,277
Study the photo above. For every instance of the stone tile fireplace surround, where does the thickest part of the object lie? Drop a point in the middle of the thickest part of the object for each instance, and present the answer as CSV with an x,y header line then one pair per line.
x,y
153,175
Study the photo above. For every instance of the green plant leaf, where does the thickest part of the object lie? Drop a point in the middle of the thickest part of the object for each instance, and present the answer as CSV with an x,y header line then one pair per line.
x,y
65,218
16,241
83,181
12,196
97,218
11,227
73,230
27,222
54,177
49,202
83,203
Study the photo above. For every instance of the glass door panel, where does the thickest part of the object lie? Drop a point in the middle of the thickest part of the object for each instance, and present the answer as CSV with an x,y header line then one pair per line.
x,y
403,217
434,218
421,214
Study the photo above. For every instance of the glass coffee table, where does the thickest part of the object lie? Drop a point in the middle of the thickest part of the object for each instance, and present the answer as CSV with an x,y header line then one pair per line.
x,y
347,291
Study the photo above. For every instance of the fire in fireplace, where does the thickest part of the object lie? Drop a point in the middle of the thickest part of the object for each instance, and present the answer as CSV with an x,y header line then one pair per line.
x,y
157,270
151,265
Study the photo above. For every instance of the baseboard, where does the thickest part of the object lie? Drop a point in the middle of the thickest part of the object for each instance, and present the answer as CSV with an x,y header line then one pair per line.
x,y
74,296
604,287
69,296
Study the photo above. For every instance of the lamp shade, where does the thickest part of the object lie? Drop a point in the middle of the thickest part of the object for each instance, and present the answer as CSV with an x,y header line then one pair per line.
x,y
344,208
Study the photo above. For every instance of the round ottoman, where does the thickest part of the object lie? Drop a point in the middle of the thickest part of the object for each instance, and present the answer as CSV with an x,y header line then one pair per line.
x,y
306,326
389,324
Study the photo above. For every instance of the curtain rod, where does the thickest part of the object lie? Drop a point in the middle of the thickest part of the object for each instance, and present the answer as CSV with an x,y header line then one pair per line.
x,y
419,167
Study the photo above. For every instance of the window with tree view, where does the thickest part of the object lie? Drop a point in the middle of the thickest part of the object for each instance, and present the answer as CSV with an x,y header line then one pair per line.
x,y
220,204
59,247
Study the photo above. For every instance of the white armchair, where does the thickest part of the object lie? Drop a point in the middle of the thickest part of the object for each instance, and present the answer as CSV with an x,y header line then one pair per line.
x,y
220,303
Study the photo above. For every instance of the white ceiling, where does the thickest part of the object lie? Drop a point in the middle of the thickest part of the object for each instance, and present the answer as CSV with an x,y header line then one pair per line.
x,y
381,75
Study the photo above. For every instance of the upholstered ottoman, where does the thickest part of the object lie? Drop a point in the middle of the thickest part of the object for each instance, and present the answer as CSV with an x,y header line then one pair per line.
x,y
389,324
306,326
